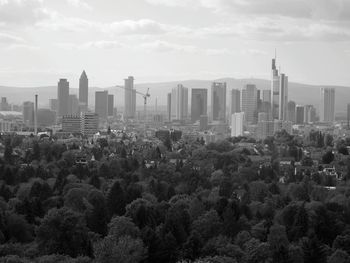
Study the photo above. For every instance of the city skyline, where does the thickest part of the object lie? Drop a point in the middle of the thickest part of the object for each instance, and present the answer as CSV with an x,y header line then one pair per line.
x,y
42,41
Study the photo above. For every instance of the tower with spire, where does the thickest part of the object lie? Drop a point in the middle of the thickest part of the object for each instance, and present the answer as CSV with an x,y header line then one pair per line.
x,y
83,91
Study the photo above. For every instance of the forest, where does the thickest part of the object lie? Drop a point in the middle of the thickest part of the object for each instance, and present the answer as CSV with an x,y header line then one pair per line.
x,y
141,202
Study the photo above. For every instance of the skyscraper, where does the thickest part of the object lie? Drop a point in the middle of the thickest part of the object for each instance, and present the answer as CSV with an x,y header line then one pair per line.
x,y
199,102
266,96
63,97
84,90
169,106
283,98
327,104
130,98
275,89
53,104
28,113
300,113
249,103
235,101
218,101
291,111
101,104
309,114
73,105
179,103
237,121
110,104
348,115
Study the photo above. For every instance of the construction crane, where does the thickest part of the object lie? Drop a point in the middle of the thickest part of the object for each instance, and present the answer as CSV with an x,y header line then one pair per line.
x,y
145,97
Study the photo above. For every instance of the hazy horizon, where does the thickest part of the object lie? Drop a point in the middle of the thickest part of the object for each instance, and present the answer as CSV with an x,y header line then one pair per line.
x,y
172,40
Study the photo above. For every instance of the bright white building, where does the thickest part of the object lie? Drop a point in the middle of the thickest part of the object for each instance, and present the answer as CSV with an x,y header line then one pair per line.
x,y
237,122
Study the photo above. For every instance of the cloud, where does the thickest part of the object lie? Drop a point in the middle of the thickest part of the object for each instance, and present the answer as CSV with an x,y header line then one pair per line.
x,y
79,4
281,29
21,12
314,9
164,46
7,39
101,44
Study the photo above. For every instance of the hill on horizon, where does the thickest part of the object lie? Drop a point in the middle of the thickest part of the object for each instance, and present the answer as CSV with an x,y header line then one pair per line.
x,y
298,92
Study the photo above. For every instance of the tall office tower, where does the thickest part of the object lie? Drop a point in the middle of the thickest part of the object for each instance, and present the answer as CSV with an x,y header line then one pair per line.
x,y
218,101
203,123
235,101
266,96
309,113
101,104
237,122
73,105
84,90
291,111
199,103
71,123
179,103
348,115
110,104
283,98
327,105
130,98
275,89
4,106
63,97
89,123
249,103
299,114
169,106
28,113
53,104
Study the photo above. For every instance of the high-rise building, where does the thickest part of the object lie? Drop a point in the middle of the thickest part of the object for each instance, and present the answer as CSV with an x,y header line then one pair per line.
x,y
28,113
199,102
169,106
101,104
89,123
237,122
218,101
291,111
84,90
309,114
283,98
71,123
179,103
327,105
4,105
110,104
235,101
348,115
63,97
249,103
73,105
130,98
53,104
203,123
266,96
275,89
300,113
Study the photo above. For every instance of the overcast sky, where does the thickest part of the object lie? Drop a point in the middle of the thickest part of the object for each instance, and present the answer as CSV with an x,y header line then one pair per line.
x,y
161,40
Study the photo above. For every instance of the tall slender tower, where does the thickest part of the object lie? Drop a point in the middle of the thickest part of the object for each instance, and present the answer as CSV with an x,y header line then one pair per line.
x,y
199,104
84,89
130,98
63,97
327,105
283,97
249,103
218,101
179,103
275,89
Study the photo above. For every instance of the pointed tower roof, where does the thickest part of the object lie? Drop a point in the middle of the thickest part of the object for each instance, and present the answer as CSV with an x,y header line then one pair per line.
x,y
83,75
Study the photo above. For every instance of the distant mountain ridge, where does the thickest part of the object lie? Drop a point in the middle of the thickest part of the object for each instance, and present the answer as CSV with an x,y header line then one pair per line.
x,y
300,93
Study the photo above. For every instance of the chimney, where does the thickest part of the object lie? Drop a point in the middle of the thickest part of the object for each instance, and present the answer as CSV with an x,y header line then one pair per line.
x,y
36,115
